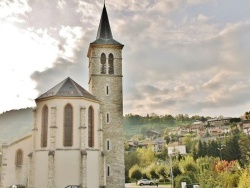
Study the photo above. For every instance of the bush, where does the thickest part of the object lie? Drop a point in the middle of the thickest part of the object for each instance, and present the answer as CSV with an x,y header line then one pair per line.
x,y
182,178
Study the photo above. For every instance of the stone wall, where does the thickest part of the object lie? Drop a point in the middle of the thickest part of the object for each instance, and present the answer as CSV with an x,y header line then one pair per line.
x,y
112,111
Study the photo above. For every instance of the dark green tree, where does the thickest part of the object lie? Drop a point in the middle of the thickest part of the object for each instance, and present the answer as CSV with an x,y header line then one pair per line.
x,y
244,144
231,150
135,173
152,172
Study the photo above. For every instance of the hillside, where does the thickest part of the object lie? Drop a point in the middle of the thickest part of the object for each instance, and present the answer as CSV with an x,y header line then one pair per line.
x,y
15,123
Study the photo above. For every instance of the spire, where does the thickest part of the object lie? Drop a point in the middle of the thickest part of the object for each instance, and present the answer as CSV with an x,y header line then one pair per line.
x,y
104,34
104,30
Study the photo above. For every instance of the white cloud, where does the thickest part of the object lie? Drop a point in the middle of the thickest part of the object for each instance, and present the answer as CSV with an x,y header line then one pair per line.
x,y
72,41
22,52
12,8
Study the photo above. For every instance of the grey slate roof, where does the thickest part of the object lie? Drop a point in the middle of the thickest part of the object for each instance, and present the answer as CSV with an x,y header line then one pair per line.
x,y
67,88
104,34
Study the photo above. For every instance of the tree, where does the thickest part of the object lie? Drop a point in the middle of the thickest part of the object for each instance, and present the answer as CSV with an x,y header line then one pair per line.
x,y
188,141
244,143
167,138
206,176
163,171
188,164
131,159
176,169
227,179
145,156
247,115
224,166
212,149
207,179
135,173
200,151
244,180
232,150
151,171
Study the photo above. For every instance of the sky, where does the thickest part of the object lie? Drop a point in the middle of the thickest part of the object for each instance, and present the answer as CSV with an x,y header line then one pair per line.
x,y
180,56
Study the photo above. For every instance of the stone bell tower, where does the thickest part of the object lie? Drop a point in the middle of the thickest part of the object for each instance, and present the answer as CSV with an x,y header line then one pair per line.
x,y
105,82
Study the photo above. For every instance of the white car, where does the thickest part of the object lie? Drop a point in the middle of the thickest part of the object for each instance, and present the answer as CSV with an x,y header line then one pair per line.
x,y
145,182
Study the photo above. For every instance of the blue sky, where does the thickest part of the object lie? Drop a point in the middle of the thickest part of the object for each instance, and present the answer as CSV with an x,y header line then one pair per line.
x,y
180,56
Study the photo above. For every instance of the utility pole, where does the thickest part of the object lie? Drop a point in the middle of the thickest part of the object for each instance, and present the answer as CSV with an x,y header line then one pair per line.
x,y
171,171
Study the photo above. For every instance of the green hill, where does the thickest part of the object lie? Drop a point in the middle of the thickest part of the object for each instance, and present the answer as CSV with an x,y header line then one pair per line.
x,y
15,123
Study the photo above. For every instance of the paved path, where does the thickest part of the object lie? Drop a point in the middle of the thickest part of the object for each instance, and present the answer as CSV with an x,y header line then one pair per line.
x,y
133,185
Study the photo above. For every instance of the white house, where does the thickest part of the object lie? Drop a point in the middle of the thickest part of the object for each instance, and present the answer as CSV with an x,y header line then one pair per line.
x,y
176,147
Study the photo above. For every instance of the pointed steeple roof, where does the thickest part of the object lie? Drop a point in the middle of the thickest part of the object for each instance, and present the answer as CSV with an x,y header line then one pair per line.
x,y
104,34
104,30
67,88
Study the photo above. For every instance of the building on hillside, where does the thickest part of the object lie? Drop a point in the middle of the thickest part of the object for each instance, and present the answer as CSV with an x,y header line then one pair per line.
x,y
245,127
179,131
219,121
158,144
215,131
176,147
152,134
225,129
77,137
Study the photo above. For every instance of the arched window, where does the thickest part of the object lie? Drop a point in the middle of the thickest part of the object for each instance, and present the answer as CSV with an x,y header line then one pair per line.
x,y
68,125
103,63
111,64
19,157
44,129
91,127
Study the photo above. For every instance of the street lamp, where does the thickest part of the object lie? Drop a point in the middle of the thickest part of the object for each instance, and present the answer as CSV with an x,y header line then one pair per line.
x,y
171,154
220,148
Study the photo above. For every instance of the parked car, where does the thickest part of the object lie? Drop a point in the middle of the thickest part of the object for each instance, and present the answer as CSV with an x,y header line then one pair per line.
x,y
17,186
73,186
145,182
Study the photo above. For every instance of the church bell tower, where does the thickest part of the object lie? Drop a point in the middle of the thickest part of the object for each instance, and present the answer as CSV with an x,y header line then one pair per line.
x,y
105,82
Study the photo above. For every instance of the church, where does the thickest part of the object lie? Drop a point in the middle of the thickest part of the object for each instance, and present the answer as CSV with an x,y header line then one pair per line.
x,y
77,135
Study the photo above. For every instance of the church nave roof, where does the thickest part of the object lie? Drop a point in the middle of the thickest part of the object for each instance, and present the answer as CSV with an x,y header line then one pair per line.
x,y
67,88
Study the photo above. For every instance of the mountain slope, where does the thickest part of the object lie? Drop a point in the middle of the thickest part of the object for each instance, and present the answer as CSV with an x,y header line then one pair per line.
x,y
15,123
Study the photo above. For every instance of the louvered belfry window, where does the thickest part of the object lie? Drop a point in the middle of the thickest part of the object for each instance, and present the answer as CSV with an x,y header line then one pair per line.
x,y
44,131
68,125
111,64
91,127
103,63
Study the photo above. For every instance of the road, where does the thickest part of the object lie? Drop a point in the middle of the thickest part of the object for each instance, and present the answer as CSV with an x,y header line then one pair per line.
x,y
132,185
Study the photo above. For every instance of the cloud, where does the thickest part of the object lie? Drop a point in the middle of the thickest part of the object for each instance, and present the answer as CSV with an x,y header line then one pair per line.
x,y
199,76
179,56
11,9
74,64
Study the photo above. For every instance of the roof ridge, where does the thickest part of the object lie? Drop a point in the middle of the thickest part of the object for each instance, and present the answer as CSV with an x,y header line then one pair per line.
x,y
76,86
62,83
